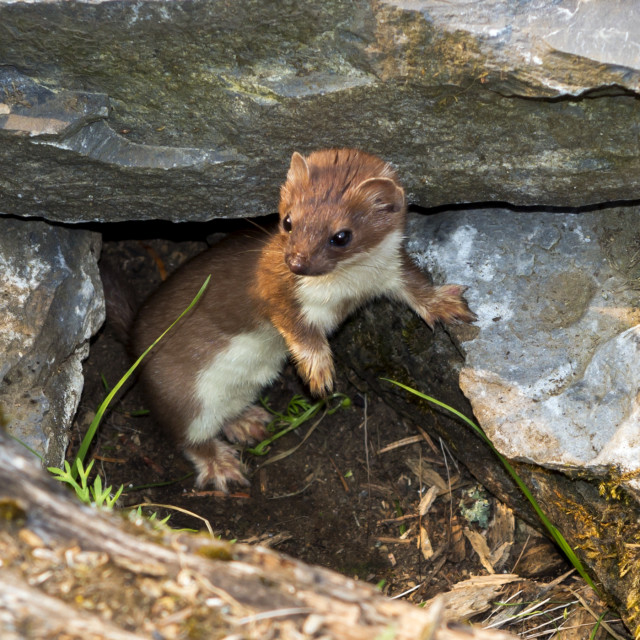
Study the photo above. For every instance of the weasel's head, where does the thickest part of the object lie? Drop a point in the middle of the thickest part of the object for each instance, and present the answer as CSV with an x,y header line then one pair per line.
x,y
336,204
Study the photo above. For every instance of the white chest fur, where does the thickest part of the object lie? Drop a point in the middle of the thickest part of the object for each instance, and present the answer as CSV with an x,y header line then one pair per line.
x,y
326,300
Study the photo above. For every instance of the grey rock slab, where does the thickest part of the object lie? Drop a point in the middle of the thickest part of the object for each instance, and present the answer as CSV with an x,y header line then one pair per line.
x,y
548,47
553,371
190,111
50,305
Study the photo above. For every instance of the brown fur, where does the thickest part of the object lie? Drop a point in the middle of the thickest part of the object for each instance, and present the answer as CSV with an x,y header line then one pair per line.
x,y
168,373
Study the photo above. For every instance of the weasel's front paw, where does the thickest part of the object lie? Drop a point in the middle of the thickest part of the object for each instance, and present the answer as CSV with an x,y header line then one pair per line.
x,y
216,463
317,371
321,383
446,304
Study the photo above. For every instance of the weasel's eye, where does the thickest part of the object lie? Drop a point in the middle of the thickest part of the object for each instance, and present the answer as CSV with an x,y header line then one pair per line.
x,y
286,224
341,239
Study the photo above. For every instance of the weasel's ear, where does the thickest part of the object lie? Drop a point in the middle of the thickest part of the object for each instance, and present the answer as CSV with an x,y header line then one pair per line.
x,y
298,170
382,193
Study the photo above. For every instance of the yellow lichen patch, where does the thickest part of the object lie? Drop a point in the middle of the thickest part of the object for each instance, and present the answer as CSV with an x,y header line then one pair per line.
x,y
611,488
633,607
11,510
220,551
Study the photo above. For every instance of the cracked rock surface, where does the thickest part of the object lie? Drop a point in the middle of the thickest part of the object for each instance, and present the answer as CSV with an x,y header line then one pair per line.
x,y
165,110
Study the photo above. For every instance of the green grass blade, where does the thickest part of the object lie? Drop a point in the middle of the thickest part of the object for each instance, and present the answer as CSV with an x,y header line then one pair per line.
x,y
299,410
166,483
25,445
111,501
594,631
93,427
555,534
262,447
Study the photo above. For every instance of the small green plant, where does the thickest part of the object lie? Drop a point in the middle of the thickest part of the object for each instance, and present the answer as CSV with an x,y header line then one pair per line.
x,y
89,494
555,534
152,518
399,513
298,411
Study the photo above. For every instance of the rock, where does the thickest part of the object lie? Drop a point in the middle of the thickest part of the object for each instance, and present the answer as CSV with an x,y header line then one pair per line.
x,y
50,305
553,373
191,111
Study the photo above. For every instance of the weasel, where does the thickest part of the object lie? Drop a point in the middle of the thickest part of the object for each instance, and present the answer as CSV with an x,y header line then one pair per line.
x,y
339,243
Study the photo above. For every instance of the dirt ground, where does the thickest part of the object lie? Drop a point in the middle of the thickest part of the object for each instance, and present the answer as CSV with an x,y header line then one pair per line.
x,y
347,498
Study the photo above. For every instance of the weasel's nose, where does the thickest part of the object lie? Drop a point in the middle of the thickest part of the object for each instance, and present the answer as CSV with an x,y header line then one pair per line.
x,y
297,263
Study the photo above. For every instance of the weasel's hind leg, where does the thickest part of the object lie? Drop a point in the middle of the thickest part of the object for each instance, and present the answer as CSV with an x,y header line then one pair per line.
x,y
216,463
249,426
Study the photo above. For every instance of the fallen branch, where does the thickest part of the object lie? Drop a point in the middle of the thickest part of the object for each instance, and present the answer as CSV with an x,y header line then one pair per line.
x,y
71,568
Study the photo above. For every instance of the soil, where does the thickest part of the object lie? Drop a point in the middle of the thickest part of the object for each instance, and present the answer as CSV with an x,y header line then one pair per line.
x,y
340,500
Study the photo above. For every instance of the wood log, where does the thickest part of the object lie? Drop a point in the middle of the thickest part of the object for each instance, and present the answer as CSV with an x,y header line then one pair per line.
x,y
72,571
